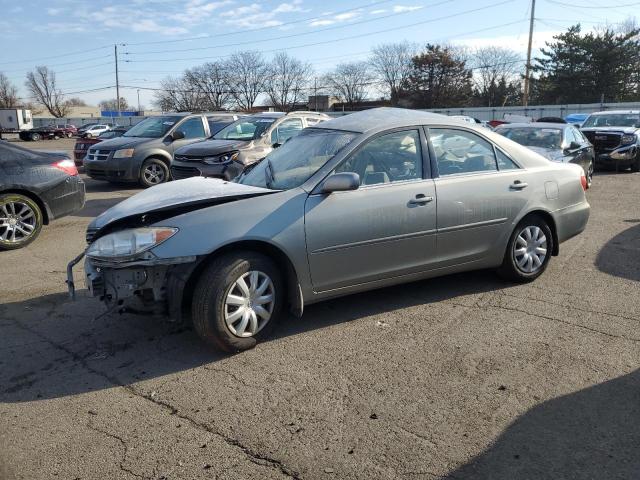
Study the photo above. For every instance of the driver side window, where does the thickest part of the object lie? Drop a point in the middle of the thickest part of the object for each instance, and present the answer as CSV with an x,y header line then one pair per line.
x,y
192,128
393,157
460,151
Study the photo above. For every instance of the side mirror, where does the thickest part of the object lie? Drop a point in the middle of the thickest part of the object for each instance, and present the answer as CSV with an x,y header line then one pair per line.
x,y
276,145
341,182
177,135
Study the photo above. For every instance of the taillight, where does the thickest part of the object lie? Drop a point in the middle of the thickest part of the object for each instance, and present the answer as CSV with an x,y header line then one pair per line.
x,y
67,166
583,181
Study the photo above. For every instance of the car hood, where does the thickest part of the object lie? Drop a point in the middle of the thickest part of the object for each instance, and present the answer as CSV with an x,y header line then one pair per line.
x,y
173,198
211,147
549,153
625,130
123,142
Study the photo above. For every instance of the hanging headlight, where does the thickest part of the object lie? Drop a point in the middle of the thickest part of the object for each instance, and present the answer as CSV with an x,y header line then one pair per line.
x,y
129,243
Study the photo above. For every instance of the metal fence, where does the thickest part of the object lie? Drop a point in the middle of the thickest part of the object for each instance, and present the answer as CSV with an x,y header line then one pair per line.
x,y
481,113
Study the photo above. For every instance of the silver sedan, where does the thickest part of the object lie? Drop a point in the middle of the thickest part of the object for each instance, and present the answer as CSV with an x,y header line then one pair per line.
x,y
360,202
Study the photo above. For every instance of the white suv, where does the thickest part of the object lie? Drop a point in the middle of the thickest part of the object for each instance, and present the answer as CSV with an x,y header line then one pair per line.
x,y
96,130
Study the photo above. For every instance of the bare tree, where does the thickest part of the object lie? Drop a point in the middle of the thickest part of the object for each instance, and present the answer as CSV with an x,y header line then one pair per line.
x,y
493,67
41,84
392,62
287,77
247,73
112,104
211,80
177,95
76,102
8,93
350,81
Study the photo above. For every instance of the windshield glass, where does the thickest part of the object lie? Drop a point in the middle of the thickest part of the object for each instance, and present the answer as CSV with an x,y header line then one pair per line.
x,y
293,163
613,120
245,129
534,137
154,127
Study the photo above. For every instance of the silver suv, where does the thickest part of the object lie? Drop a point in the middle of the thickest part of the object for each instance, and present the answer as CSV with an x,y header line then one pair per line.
x,y
240,145
143,154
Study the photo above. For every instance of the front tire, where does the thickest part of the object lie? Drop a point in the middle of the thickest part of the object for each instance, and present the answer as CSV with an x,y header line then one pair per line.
x,y
529,250
153,172
635,166
20,221
237,301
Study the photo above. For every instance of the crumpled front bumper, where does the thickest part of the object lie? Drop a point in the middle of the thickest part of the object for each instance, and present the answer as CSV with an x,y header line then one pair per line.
x,y
147,285
620,156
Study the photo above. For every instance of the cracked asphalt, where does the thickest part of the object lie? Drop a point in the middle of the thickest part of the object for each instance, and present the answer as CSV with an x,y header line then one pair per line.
x,y
461,377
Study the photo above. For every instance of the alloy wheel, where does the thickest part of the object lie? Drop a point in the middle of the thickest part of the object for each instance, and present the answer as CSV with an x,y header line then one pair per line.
x,y
18,221
530,249
249,303
154,174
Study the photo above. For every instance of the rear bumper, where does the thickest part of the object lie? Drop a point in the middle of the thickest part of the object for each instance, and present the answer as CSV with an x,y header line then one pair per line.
x,y
65,198
226,171
571,221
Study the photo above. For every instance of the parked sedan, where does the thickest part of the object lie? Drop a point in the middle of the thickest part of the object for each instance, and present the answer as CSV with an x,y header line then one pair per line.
x,y
94,130
559,142
363,201
35,188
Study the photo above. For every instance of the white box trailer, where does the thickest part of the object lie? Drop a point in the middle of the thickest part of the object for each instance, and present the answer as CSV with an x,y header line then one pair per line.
x,y
15,120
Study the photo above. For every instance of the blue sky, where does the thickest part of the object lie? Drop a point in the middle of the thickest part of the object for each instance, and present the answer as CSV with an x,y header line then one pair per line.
x,y
163,37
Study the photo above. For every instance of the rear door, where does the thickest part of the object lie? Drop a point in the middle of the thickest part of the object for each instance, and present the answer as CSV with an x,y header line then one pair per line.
x,y
385,228
480,191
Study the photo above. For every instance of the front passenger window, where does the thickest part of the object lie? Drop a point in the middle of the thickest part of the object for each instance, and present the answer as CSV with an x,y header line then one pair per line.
x,y
460,151
393,157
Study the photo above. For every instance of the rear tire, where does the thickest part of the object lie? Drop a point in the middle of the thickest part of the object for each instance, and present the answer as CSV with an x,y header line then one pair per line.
x,y
528,251
35,137
20,221
231,315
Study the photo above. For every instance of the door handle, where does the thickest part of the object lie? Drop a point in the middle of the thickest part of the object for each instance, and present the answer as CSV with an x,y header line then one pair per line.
x,y
518,185
420,199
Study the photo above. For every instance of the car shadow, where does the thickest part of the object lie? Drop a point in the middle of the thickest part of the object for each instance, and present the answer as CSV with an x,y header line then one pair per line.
x,y
620,256
95,206
54,347
590,434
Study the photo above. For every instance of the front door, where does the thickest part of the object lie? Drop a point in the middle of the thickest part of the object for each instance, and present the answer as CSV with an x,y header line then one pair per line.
x,y
193,129
386,228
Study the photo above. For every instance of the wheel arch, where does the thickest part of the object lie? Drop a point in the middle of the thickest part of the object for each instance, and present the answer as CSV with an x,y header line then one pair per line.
x,y
295,300
551,221
46,212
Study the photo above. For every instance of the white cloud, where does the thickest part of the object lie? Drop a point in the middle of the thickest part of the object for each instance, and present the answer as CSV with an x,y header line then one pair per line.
x,y
294,6
198,11
378,12
53,11
406,8
514,42
341,17
255,15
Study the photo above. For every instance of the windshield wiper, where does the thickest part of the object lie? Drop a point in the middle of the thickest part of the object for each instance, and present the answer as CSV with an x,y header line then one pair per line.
x,y
269,175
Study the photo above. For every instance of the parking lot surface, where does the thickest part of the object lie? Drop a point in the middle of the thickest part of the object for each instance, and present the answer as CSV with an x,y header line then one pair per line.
x,y
462,377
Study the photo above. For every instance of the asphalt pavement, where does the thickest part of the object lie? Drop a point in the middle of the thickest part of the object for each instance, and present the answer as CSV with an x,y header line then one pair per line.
x,y
461,377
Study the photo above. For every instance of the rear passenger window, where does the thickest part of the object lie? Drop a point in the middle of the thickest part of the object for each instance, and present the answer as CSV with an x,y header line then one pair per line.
x,y
460,151
504,162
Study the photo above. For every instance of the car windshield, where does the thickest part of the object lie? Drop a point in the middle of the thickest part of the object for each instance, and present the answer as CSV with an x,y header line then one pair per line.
x,y
293,163
154,127
245,129
613,120
534,137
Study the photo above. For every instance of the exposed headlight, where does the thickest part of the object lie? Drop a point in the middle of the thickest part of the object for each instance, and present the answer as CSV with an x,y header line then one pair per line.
x,y
128,243
628,139
124,153
224,158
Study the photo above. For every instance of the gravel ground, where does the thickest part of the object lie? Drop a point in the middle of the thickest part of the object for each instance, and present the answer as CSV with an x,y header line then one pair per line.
x,y
461,377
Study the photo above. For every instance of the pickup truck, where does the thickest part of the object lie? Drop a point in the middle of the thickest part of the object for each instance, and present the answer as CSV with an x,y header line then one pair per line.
x,y
615,136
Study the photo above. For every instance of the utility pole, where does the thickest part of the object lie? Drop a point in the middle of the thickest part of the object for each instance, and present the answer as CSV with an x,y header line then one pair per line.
x,y
527,74
115,52
138,101
315,93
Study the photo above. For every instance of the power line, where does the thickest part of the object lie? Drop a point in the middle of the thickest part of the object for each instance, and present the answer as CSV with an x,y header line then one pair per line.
x,y
55,56
608,7
351,37
75,62
235,32
282,37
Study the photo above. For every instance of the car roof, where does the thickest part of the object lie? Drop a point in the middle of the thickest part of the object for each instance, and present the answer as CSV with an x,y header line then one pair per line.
x,y
534,125
618,112
386,117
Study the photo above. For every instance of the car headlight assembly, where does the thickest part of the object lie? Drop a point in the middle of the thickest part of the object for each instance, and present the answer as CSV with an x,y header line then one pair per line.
x,y
224,158
126,244
124,153
628,139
